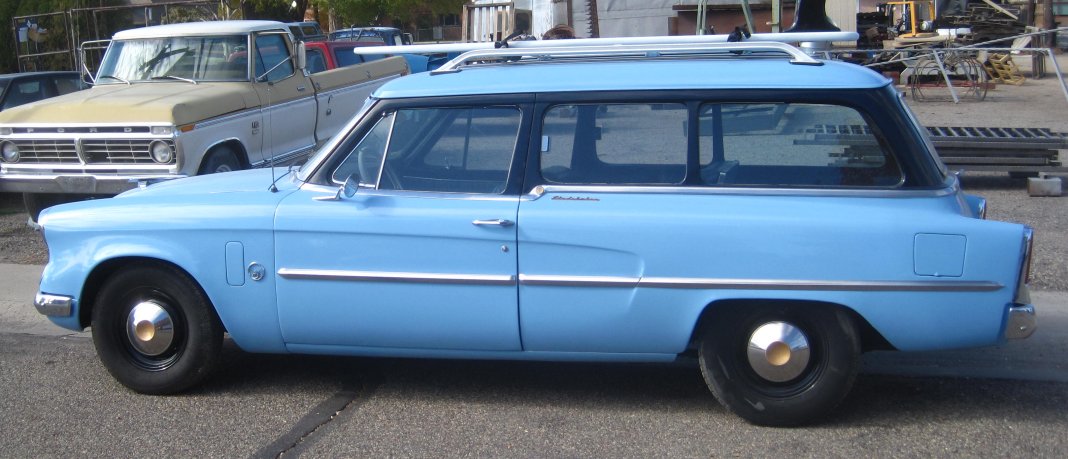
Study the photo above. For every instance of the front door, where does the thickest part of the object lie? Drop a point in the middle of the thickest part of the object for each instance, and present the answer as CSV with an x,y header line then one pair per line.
x,y
288,99
423,256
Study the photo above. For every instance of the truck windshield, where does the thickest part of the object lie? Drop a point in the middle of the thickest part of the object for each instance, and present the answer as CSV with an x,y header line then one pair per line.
x,y
176,58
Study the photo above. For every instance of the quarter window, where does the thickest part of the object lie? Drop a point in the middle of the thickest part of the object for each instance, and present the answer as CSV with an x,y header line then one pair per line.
x,y
614,144
782,144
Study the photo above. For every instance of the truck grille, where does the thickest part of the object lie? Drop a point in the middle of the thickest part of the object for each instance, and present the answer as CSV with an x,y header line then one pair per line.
x,y
47,151
116,151
95,151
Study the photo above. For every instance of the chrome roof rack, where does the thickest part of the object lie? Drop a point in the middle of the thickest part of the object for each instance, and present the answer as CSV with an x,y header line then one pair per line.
x,y
624,51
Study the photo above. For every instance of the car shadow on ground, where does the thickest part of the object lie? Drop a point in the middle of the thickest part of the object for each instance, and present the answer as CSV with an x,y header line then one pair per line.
x,y
876,400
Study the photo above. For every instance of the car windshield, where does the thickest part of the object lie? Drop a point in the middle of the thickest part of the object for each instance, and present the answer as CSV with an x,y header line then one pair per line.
x,y
223,58
3,87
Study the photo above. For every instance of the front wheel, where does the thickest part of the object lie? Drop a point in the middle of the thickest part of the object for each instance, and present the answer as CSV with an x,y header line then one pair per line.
x,y
780,365
220,159
154,329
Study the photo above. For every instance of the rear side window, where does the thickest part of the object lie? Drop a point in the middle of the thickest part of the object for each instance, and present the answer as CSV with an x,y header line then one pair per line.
x,y
614,144
783,144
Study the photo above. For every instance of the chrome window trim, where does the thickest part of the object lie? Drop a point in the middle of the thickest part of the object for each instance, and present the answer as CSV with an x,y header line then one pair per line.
x,y
406,277
758,284
540,190
415,194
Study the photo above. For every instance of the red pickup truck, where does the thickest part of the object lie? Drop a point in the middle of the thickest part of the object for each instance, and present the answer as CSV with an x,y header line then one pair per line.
x,y
328,55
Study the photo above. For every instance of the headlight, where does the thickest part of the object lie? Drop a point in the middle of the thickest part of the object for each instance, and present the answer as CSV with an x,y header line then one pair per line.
x,y
10,152
5,131
161,152
162,130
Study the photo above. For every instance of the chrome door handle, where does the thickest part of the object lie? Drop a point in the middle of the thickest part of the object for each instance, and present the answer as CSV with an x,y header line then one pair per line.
x,y
494,222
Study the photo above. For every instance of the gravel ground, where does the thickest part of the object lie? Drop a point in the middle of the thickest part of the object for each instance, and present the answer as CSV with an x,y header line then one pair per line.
x,y
1035,103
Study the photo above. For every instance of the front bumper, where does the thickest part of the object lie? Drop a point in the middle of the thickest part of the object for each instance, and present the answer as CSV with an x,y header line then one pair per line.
x,y
77,183
1021,322
53,305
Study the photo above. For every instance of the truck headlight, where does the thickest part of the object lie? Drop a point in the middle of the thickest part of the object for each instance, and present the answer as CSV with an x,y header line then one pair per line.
x,y
161,152
10,152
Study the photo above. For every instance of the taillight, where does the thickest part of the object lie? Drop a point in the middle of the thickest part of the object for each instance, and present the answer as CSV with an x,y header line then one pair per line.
x,y
1023,296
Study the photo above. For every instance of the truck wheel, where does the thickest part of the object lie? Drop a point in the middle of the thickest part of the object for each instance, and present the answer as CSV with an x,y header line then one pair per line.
x,y
220,159
36,202
780,365
154,329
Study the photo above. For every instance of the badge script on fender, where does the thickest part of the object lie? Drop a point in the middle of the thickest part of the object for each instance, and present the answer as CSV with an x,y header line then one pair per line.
x,y
574,198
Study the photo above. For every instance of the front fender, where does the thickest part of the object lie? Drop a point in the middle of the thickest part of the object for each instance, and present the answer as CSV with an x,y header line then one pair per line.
x,y
87,241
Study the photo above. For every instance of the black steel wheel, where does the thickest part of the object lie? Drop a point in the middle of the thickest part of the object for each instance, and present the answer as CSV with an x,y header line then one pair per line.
x,y
780,365
155,330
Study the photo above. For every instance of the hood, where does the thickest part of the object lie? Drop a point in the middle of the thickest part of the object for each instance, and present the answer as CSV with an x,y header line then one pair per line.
x,y
156,102
187,200
252,180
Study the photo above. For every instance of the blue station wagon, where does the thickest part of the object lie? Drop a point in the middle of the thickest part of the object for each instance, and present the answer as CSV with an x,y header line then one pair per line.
x,y
744,204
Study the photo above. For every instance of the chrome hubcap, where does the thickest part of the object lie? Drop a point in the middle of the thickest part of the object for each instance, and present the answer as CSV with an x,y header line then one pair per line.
x,y
778,351
149,328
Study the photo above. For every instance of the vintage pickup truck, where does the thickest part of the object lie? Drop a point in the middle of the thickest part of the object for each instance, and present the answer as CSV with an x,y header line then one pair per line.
x,y
181,100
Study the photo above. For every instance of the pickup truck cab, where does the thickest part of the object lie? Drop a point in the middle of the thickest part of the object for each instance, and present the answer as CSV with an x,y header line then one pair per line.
x,y
387,36
180,100
329,55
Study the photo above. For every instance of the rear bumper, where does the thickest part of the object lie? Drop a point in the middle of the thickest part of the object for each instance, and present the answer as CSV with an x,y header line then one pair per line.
x,y
76,183
1021,322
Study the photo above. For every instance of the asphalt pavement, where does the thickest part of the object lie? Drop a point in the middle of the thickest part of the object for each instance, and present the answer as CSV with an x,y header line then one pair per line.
x,y
59,401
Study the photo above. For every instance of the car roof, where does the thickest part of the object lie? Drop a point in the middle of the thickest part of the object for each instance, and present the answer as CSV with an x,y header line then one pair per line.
x,y
200,29
632,75
12,76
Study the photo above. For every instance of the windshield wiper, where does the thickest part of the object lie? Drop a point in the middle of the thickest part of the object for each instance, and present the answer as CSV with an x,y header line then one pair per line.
x,y
113,77
172,77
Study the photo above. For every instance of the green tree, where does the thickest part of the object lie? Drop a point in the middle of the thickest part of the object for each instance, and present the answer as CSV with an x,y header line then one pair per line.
x,y
277,10
403,13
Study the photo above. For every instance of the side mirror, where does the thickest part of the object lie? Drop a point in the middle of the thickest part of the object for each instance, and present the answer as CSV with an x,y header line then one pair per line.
x,y
302,56
406,39
351,186
345,191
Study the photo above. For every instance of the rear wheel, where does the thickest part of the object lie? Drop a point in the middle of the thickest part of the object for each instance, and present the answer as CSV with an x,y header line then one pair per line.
x,y
154,329
780,365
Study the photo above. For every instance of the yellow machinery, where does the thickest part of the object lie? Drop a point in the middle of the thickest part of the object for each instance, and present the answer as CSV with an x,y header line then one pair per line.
x,y
909,7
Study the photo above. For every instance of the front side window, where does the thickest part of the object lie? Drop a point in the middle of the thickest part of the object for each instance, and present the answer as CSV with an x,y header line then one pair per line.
x,y
449,150
222,58
272,57
614,144
784,144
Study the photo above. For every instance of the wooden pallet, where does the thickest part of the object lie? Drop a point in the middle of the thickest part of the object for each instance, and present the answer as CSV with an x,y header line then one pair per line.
x,y
1002,69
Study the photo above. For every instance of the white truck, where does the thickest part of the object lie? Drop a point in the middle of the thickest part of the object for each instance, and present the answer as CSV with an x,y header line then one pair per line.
x,y
180,100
